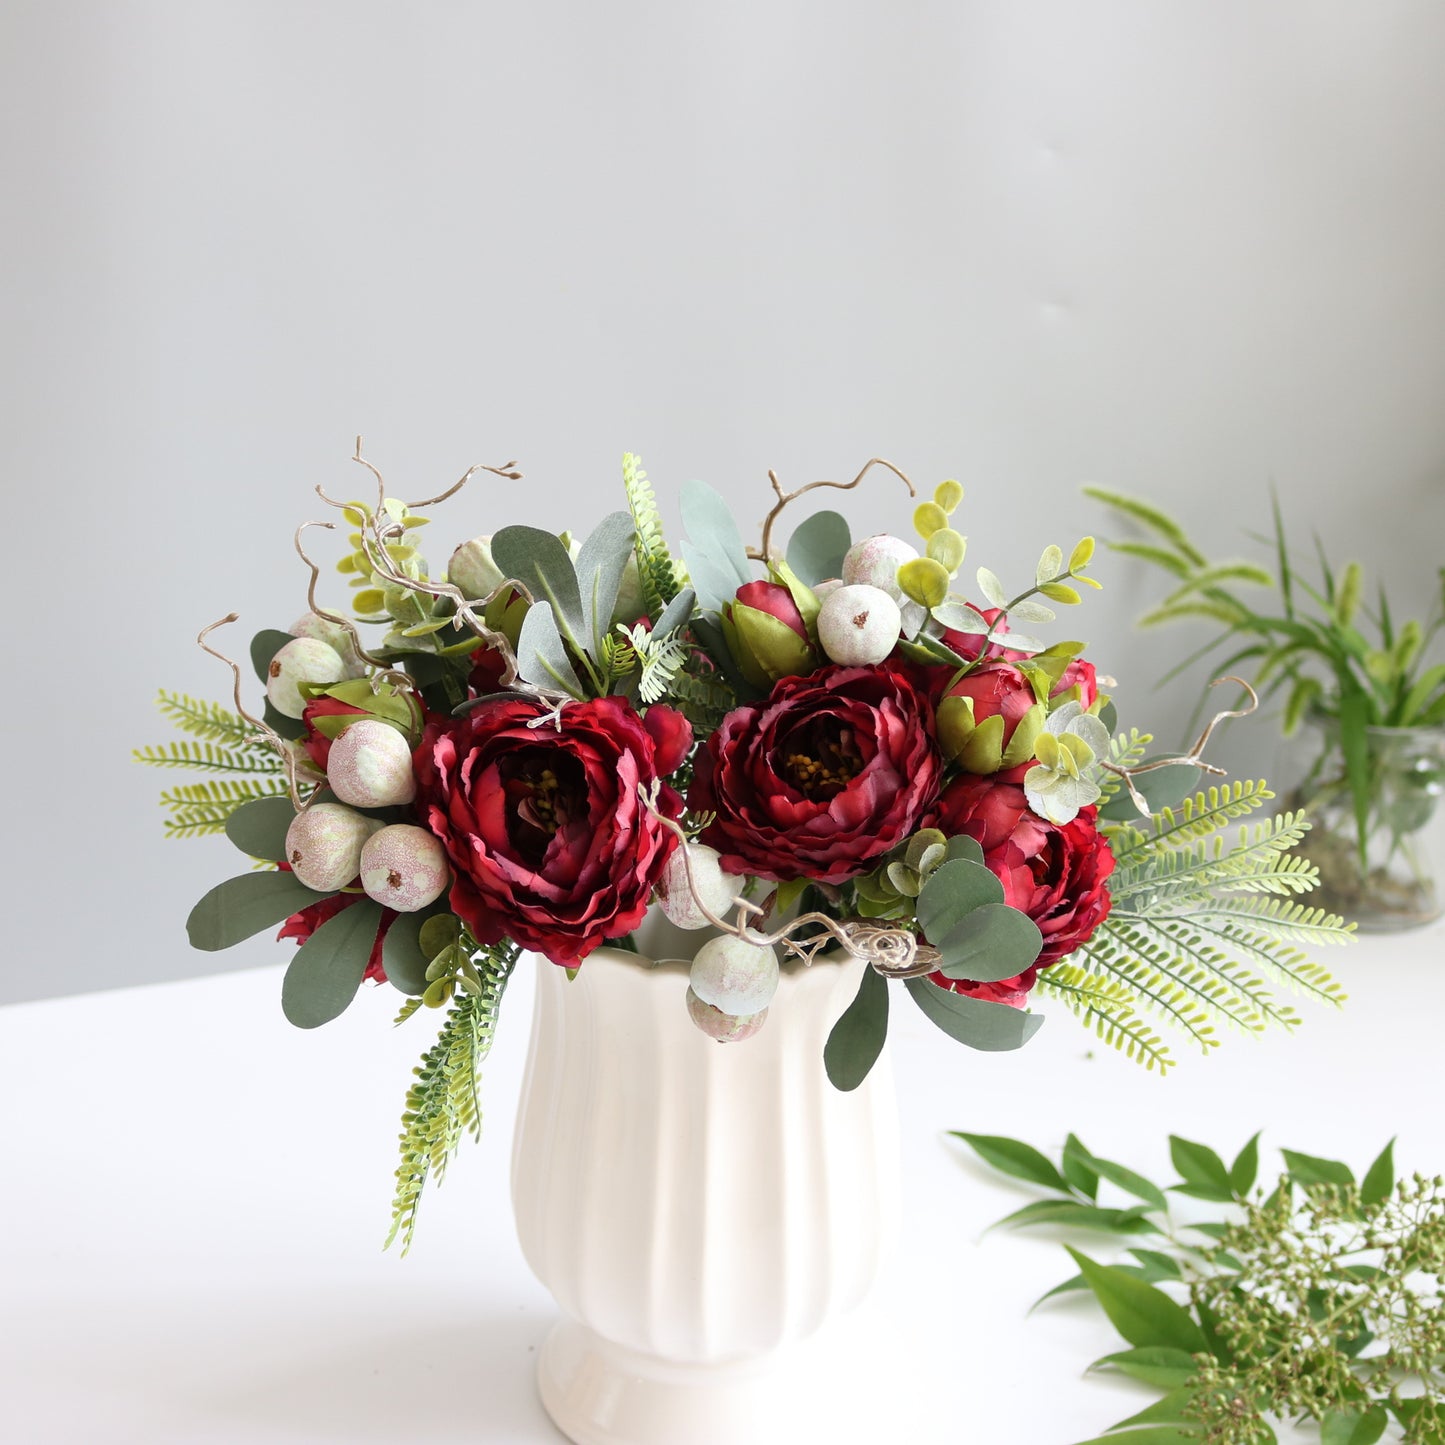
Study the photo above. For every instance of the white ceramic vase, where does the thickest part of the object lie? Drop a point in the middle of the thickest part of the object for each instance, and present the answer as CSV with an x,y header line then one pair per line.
x,y
696,1209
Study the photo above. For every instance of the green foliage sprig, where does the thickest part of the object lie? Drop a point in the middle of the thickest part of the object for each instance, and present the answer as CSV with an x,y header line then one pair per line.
x,y
1328,651
442,1104
1200,926
1319,1301
226,744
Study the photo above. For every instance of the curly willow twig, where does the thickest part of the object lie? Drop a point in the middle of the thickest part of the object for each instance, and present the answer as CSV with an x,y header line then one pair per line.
x,y
278,743
376,535
893,952
1194,757
765,552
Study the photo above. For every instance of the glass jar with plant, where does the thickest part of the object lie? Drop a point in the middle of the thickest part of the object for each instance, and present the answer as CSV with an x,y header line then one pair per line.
x,y
1362,681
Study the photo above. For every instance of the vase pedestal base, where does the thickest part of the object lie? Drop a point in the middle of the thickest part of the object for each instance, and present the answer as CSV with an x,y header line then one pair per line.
x,y
599,1393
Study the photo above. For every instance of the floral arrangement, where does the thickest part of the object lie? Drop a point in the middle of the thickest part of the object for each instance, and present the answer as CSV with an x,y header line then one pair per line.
x,y
818,749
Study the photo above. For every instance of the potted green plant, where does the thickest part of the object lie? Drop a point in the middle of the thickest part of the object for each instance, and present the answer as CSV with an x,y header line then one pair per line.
x,y
1365,683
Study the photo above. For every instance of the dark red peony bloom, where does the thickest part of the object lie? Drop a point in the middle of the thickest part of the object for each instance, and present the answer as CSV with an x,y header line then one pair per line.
x,y
1079,674
972,644
303,924
824,775
1054,874
544,826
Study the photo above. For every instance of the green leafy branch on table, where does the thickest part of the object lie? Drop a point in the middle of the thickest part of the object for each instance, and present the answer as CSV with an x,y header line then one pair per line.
x,y
1320,1300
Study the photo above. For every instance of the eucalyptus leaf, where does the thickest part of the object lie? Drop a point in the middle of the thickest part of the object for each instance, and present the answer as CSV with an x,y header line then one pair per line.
x,y
541,655
599,569
959,617
712,580
990,944
858,1037
402,955
952,892
323,977
259,828
289,728
675,614
962,846
991,588
713,531
989,1027
242,907
540,562
817,547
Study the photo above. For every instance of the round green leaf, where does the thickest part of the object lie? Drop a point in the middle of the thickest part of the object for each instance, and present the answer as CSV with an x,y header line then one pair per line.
x,y
990,1027
245,906
991,943
328,968
947,548
925,580
952,892
857,1038
258,828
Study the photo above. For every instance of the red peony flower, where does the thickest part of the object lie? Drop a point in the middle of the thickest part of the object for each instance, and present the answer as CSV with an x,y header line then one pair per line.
x,y
544,826
973,644
826,774
1078,674
303,924
1054,874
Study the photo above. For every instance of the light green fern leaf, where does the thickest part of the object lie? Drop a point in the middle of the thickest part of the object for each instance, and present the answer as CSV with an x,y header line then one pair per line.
x,y
209,721
1108,1006
209,758
661,577
201,808
443,1103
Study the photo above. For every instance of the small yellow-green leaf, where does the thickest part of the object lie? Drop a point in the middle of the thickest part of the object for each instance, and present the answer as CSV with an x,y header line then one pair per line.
x,y
1059,592
1049,564
1081,554
357,514
924,580
928,517
948,495
347,563
983,752
947,548
955,724
370,600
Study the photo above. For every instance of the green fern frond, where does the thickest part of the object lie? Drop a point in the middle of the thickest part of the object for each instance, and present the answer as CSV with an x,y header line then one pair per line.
x,y
661,577
1252,934
208,720
703,698
1290,920
1107,1004
661,666
1196,817
209,757
443,1103
1125,751
201,808
1121,951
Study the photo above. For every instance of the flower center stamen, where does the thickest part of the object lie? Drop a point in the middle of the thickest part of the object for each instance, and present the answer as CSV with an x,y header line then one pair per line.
x,y
826,768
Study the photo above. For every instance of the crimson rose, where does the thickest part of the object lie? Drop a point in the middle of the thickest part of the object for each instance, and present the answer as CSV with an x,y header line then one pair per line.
x,y
824,775
544,827
1053,873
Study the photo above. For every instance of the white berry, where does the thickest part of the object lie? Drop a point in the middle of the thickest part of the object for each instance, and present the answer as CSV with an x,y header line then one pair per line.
x,y
303,659
323,845
734,976
874,562
714,888
369,766
404,867
725,1028
859,625
827,587
334,635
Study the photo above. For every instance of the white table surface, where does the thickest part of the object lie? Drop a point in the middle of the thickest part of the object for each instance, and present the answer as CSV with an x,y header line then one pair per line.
x,y
195,1196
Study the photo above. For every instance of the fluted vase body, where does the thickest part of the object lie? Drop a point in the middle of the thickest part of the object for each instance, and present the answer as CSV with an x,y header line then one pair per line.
x,y
694,1208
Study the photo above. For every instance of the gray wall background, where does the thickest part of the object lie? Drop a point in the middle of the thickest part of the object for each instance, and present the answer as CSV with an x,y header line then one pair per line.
x,y
1185,249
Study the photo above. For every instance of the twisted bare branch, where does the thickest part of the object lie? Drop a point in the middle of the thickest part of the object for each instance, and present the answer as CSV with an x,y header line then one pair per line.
x,y
784,498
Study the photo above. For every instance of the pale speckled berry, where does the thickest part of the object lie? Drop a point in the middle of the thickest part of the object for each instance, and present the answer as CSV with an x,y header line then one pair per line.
x,y
303,659
859,625
874,562
735,976
323,845
715,888
725,1028
404,867
334,635
369,766
827,587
